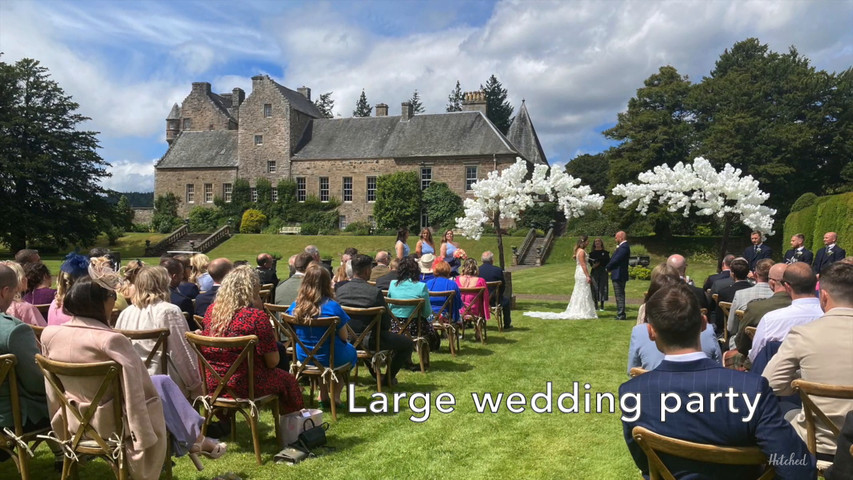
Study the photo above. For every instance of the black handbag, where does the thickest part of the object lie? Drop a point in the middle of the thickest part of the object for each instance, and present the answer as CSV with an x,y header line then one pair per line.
x,y
313,436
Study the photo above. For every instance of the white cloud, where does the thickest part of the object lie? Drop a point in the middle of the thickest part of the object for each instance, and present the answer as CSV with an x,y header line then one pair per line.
x,y
128,176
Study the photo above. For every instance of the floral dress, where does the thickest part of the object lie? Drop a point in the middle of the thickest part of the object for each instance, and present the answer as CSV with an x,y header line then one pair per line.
x,y
251,321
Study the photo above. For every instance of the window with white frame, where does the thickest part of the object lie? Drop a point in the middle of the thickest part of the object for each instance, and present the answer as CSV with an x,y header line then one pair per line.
x,y
259,139
347,189
324,189
270,166
208,193
254,193
267,109
426,177
301,192
190,193
226,192
274,194
470,177
371,189
342,221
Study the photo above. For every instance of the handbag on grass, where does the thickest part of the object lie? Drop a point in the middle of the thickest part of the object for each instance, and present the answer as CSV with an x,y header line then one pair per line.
x,y
313,436
293,423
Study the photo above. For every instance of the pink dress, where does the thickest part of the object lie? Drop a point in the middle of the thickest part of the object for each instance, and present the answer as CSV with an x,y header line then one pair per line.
x,y
55,316
27,313
481,309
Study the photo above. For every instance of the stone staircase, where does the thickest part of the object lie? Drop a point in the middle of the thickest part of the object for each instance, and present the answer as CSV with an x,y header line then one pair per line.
x,y
531,255
184,243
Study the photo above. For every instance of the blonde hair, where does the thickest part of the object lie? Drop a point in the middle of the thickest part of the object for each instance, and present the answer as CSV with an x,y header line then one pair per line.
x,y
64,282
131,270
316,285
469,267
237,291
19,272
152,286
198,266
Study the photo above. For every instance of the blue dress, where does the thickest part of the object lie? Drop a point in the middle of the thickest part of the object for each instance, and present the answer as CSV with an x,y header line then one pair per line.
x,y
448,257
344,352
405,248
427,248
441,284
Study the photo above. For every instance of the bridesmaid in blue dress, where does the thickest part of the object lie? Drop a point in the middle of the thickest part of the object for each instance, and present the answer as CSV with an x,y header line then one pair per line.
x,y
400,246
425,244
448,247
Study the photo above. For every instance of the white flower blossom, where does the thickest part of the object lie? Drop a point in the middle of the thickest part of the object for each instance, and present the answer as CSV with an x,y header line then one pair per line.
x,y
700,186
508,193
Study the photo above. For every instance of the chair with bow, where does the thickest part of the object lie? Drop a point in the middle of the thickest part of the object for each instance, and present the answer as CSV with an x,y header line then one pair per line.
x,y
403,326
814,415
369,350
495,299
443,319
159,336
223,395
311,366
469,309
15,441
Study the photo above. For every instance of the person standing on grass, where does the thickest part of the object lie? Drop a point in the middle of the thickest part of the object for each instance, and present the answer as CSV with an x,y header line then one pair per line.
x,y
599,257
618,268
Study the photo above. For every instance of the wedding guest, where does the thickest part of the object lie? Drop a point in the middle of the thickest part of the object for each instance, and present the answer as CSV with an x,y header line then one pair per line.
x,y
39,281
470,279
407,286
441,282
491,273
599,257
27,255
799,253
286,292
448,247
382,259
23,311
217,269
425,263
266,269
757,251
74,267
129,272
400,247
187,288
831,253
199,263
384,282
176,277
425,244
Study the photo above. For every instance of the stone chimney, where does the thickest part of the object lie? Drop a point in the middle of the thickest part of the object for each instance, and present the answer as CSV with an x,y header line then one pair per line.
x,y
381,109
305,91
256,81
201,87
474,102
237,97
408,112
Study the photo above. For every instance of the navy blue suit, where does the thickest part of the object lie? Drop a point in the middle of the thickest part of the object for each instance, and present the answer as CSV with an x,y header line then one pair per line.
x,y
752,256
184,303
792,256
822,259
491,273
618,268
203,300
767,428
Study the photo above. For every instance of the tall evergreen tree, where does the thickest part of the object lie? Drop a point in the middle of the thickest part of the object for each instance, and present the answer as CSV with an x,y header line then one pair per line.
x,y
417,106
362,108
49,170
325,104
498,108
454,100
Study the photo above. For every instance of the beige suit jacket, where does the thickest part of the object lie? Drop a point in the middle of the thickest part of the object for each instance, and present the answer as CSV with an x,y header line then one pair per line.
x,y
84,340
822,351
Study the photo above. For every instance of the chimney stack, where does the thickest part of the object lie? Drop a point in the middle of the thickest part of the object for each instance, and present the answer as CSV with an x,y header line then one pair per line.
x,y
381,109
305,91
201,87
408,112
237,97
474,102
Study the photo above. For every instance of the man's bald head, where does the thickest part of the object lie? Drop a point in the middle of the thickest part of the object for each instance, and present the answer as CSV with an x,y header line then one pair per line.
x,y
218,268
774,277
677,262
800,278
382,257
620,236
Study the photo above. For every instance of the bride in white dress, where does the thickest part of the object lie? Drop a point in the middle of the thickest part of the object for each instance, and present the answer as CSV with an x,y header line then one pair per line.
x,y
581,305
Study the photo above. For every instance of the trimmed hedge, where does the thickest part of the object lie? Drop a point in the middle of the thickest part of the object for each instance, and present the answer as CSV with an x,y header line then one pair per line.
x,y
833,213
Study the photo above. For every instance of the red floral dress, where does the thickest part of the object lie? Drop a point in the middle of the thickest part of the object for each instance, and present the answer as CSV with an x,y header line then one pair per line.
x,y
251,321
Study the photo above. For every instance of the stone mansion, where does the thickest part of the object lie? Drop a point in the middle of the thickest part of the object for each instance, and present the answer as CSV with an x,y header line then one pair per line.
x,y
279,133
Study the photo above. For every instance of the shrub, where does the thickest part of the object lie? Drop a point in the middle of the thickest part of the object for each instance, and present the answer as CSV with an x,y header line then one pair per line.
x,y
204,219
806,200
253,221
703,231
441,204
113,234
358,228
639,273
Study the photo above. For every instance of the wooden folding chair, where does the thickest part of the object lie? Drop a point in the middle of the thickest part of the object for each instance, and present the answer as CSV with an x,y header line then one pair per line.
x,y
281,333
725,307
266,292
198,321
402,326
86,440
652,443
443,319
468,310
159,336
37,331
372,355
43,308
715,297
223,396
637,371
18,446
497,308
750,331
807,390
311,366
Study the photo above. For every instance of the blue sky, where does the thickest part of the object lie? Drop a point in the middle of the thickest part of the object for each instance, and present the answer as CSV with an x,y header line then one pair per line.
x,y
576,63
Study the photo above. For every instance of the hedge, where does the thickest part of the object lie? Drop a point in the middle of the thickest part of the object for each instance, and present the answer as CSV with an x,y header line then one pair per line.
x,y
833,213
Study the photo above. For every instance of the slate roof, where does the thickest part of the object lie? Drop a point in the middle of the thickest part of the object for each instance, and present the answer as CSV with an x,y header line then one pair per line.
x,y
454,134
205,149
299,101
223,104
523,136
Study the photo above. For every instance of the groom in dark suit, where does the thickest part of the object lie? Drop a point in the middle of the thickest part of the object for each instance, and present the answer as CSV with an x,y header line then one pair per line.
x,y
618,268
666,400
829,254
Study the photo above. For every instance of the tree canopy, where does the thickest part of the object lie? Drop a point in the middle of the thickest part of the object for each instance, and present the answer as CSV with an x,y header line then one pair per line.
x,y
362,108
498,108
417,106
398,201
49,167
454,100
325,104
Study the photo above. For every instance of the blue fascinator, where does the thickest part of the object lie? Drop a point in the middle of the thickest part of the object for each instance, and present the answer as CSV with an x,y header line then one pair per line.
x,y
75,265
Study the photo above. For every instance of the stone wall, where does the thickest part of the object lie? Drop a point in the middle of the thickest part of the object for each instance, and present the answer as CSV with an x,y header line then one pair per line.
x,y
176,181
143,215
202,112
274,130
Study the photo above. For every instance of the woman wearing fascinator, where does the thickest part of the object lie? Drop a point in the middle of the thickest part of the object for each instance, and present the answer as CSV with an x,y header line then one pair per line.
x,y
74,267
148,400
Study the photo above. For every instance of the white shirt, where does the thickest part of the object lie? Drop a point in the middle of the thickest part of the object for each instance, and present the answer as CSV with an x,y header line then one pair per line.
x,y
774,326
685,357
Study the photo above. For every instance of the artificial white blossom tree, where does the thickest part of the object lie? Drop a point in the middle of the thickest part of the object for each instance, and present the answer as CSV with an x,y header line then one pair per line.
x,y
506,194
726,194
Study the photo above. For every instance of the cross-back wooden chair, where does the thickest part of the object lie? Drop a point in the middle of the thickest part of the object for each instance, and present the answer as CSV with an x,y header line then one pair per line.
x,y
468,310
281,333
497,308
750,331
725,307
372,282
86,440
198,321
652,443
370,353
715,297
637,371
443,319
223,395
266,292
402,326
310,366
814,414
43,308
160,337
17,445
37,331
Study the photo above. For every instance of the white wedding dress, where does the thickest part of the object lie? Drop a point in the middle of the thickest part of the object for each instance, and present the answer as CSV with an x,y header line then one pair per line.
x,y
581,306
